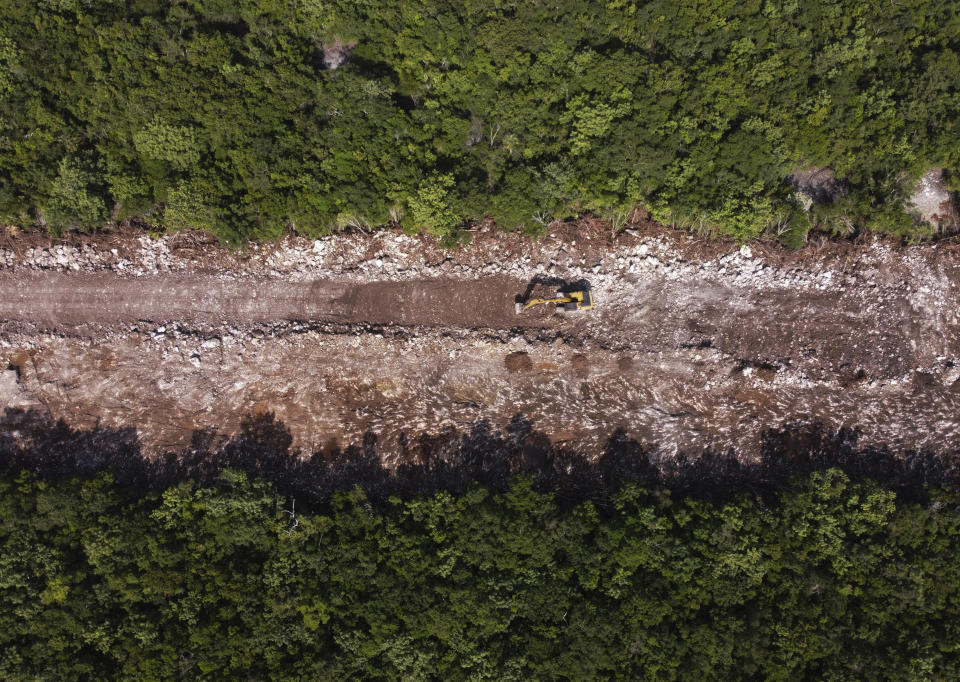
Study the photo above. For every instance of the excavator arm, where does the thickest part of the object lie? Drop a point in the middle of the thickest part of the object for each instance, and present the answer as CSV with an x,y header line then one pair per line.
x,y
575,300
540,301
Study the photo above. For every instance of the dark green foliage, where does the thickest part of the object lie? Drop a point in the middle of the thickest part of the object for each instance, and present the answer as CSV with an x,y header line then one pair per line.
x,y
248,118
834,580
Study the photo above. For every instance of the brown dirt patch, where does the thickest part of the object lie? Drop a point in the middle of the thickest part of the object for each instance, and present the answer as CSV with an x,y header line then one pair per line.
x,y
580,365
518,362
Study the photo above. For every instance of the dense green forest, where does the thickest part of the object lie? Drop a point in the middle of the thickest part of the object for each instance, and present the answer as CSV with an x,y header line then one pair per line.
x,y
251,118
832,579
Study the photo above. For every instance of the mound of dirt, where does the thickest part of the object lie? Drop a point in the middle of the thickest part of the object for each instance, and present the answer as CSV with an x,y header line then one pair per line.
x,y
518,362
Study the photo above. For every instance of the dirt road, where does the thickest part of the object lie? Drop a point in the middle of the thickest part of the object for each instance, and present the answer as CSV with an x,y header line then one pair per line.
x,y
340,338
60,300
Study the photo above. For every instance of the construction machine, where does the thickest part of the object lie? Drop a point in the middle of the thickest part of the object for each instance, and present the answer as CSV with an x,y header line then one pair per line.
x,y
579,298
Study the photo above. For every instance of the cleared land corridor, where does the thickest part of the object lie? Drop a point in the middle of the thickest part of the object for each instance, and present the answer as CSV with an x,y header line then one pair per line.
x,y
678,353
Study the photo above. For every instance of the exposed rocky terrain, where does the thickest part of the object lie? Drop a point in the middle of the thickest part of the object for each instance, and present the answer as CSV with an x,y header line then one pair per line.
x,y
691,344
934,203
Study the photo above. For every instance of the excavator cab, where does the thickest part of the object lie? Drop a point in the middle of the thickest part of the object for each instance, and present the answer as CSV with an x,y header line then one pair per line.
x,y
582,300
578,297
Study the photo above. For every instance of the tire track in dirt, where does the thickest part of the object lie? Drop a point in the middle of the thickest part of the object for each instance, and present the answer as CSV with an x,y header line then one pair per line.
x,y
58,301
802,330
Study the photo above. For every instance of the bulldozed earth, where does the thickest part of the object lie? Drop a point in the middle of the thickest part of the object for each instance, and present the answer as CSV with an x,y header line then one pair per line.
x,y
692,344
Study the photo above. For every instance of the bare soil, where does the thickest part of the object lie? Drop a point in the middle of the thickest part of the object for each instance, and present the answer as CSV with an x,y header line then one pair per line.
x,y
691,343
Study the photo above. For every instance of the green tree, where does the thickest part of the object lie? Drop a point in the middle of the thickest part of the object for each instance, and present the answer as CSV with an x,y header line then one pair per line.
x,y
74,200
429,209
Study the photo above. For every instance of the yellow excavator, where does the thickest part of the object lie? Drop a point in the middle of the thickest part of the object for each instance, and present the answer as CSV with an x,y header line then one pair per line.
x,y
577,299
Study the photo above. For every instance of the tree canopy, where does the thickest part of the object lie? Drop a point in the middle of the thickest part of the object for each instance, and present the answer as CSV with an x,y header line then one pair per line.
x,y
249,118
834,579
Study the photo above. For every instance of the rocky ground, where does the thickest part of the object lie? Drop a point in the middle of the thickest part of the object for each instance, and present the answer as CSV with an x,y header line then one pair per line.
x,y
691,343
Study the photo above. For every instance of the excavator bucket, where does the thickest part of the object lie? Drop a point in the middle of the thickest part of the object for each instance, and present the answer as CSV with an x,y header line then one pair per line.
x,y
518,308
